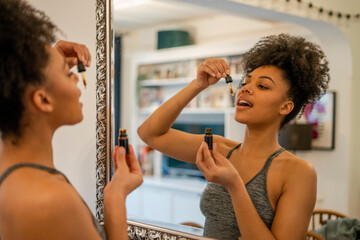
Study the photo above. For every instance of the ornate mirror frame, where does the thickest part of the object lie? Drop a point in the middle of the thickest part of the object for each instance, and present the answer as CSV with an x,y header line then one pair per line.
x,y
136,230
103,126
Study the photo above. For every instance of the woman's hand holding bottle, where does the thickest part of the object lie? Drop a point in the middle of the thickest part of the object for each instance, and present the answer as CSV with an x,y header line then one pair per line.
x,y
127,173
216,168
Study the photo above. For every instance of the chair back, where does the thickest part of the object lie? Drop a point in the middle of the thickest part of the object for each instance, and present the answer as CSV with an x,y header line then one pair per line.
x,y
318,219
191,224
320,216
310,235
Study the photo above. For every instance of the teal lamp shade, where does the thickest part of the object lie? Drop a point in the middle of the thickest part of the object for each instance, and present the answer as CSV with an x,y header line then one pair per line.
x,y
172,38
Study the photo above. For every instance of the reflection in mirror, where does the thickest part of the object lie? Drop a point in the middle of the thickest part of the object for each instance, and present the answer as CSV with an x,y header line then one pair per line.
x,y
158,46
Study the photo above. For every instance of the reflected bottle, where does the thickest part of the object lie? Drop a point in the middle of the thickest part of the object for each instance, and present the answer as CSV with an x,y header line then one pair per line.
x,y
209,138
81,69
123,140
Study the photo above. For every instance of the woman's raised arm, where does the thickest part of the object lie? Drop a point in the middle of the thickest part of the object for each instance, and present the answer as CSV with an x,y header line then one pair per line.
x,y
156,130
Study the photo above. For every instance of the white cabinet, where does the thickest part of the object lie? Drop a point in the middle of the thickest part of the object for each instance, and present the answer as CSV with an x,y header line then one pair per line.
x,y
167,200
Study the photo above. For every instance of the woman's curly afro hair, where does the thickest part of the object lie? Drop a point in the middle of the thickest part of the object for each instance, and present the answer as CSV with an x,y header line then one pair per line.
x,y
24,33
303,63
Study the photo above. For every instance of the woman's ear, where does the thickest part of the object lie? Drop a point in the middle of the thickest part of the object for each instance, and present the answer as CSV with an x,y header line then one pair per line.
x,y
42,100
287,107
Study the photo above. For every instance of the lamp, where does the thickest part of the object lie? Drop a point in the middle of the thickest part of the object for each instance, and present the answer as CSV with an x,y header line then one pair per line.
x,y
296,136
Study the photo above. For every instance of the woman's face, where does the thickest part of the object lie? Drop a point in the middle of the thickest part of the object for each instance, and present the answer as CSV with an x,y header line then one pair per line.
x,y
262,99
61,85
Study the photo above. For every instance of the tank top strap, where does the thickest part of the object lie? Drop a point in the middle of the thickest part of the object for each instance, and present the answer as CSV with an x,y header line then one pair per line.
x,y
272,156
30,165
231,150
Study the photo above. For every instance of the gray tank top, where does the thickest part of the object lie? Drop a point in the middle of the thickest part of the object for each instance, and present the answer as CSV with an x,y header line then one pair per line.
x,y
216,204
97,225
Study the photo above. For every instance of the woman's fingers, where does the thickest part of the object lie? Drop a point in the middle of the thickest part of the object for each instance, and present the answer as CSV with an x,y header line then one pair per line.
x,y
71,61
121,158
71,50
83,53
208,159
200,162
225,66
219,159
134,163
114,158
205,68
218,66
211,70
205,162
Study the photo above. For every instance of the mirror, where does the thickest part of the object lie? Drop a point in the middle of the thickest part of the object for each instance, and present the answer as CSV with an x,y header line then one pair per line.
x,y
210,28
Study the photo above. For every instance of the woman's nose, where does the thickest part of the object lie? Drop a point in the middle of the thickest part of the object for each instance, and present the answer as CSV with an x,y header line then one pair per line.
x,y
247,89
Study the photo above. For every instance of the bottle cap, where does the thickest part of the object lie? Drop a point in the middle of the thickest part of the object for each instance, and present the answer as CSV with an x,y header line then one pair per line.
x,y
122,132
80,67
228,78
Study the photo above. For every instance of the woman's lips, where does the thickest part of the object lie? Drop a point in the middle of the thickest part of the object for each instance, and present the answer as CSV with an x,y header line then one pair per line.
x,y
239,107
243,103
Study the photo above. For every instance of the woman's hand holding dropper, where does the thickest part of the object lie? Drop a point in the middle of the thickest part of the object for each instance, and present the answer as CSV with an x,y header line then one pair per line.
x,y
73,51
211,71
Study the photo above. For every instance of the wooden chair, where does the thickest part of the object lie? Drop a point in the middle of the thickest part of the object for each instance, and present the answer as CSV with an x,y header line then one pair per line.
x,y
318,219
310,235
191,224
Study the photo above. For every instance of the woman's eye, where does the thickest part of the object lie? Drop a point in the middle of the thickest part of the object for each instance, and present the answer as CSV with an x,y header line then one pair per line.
x,y
70,74
242,84
262,87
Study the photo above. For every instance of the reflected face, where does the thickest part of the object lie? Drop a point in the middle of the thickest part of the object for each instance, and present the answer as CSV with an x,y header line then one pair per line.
x,y
61,85
262,96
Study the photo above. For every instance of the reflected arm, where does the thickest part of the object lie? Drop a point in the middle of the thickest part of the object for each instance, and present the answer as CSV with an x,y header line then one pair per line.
x,y
156,130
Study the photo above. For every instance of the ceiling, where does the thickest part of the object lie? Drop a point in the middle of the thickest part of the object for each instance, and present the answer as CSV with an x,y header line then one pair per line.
x,y
132,14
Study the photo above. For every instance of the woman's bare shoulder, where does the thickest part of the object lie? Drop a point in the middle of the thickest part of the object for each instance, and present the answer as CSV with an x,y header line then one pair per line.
x,y
35,200
26,190
296,168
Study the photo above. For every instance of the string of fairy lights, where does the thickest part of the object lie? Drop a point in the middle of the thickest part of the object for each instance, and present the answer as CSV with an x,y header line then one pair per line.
x,y
326,11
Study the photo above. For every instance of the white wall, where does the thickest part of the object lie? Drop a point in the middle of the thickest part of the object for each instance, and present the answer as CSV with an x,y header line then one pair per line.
x,y
74,146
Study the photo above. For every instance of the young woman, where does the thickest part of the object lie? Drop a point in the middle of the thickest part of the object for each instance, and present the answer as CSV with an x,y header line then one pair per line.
x,y
38,94
257,189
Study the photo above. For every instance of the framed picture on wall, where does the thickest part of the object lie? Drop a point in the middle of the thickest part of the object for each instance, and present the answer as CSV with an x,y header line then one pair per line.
x,y
322,116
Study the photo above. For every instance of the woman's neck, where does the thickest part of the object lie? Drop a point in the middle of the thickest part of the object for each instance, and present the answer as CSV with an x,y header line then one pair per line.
x,y
31,147
260,141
